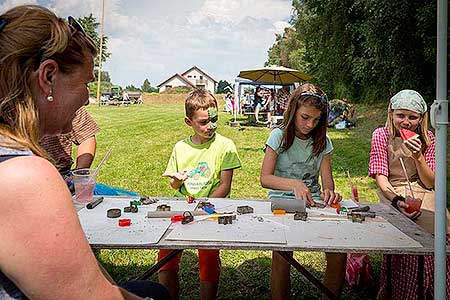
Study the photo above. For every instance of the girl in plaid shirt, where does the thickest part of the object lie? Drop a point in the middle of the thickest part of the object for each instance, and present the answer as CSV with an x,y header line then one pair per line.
x,y
406,276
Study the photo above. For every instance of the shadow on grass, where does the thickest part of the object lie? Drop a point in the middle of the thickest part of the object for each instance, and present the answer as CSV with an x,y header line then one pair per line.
x,y
249,279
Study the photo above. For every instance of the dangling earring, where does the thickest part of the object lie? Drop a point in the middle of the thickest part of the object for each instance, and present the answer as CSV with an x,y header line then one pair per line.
x,y
50,96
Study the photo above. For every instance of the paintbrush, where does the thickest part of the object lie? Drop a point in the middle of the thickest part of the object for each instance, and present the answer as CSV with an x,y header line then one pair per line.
x,y
95,173
406,176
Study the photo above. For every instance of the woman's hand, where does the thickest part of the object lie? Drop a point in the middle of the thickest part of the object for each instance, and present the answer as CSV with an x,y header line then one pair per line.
x,y
415,146
302,192
330,197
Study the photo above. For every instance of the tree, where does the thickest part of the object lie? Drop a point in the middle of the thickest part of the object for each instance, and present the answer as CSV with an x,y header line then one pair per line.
x,y
132,88
105,76
221,86
90,26
361,49
146,86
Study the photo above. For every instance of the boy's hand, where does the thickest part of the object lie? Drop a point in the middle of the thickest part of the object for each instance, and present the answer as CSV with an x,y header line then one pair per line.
x,y
180,176
330,197
302,192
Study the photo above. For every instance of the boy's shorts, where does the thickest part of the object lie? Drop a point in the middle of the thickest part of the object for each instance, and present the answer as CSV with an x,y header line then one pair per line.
x,y
209,263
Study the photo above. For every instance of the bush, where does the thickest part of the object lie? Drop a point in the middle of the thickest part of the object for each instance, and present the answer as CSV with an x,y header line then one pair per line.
x,y
177,90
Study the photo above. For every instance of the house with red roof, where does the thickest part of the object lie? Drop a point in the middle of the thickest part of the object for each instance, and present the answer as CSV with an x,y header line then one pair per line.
x,y
193,77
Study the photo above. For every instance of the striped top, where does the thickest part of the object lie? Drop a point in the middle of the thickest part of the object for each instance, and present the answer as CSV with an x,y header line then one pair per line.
x,y
59,147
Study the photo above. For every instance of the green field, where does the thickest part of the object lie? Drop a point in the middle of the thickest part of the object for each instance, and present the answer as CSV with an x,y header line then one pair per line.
x,y
142,138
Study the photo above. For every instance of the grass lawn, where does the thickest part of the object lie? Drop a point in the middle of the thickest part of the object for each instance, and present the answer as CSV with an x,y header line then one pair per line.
x,y
142,137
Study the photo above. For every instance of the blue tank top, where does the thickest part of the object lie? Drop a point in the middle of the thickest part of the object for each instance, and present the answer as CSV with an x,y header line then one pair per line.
x,y
8,290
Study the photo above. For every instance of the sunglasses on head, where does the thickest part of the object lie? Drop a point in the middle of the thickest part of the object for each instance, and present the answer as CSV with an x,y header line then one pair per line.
x,y
75,26
323,98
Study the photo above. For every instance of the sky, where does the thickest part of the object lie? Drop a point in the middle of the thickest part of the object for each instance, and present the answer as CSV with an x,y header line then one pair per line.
x,y
158,38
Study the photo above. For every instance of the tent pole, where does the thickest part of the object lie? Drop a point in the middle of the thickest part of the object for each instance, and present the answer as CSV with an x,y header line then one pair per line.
x,y
439,116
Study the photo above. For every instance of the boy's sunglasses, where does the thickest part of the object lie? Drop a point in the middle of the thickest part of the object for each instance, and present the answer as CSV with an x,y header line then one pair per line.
x,y
75,26
323,98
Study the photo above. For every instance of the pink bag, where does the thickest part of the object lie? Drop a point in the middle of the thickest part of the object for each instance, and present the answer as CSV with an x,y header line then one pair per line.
x,y
359,271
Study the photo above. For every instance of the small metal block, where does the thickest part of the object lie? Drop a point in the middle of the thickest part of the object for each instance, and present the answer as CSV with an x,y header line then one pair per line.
x,y
203,204
113,213
302,216
134,209
190,199
225,220
357,218
260,219
244,209
127,209
187,217
149,200
163,207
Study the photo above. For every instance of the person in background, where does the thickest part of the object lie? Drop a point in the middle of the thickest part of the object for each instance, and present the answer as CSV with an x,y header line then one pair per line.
x,y
295,155
82,135
407,110
201,165
46,65
258,102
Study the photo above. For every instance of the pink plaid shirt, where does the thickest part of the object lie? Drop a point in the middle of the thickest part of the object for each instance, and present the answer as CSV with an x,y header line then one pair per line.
x,y
379,156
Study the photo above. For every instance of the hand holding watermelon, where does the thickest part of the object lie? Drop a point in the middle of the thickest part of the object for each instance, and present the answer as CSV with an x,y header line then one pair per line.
x,y
412,141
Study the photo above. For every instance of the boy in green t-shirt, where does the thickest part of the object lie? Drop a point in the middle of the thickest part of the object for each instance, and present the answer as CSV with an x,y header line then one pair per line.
x,y
200,166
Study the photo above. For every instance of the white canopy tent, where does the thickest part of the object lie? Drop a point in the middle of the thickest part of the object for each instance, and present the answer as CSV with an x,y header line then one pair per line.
x,y
240,83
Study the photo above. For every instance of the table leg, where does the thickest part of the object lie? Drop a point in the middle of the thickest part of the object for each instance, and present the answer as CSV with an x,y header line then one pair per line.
x,y
308,275
159,264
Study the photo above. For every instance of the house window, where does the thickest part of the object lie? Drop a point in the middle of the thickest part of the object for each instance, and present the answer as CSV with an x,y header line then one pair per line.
x,y
189,76
195,76
201,77
168,86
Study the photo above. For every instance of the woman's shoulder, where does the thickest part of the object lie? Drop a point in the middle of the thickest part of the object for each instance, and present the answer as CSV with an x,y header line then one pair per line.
x,y
27,171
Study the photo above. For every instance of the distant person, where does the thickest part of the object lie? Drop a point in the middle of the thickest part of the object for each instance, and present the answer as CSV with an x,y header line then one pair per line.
x,y
125,98
295,156
407,110
215,158
44,252
258,102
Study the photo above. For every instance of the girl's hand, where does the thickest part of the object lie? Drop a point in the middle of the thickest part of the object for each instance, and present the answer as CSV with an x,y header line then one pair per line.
x,y
402,206
330,197
302,192
415,146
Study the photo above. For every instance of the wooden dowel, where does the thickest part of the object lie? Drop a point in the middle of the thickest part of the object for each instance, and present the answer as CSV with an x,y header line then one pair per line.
x,y
406,176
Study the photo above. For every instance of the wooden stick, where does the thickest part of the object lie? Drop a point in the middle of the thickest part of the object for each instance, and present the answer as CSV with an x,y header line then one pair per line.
x,y
406,176
392,191
94,174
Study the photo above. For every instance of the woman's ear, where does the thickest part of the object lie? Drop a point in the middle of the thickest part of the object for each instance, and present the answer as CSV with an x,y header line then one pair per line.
x,y
46,75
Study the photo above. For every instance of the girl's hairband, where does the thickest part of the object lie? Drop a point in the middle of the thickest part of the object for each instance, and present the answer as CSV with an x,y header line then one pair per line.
x,y
321,97
2,24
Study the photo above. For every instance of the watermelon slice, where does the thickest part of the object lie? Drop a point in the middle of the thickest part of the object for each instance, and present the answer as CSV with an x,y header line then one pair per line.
x,y
407,134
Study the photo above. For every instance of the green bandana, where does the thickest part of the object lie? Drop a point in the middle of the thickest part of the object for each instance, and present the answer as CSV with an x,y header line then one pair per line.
x,y
410,100
213,117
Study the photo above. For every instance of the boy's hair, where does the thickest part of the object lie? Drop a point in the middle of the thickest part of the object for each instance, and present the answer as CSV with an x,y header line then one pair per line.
x,y
421,130
199,99
306,94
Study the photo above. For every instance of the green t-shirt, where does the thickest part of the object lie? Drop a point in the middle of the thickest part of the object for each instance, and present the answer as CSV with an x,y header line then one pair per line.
x,y
297,162
203,164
